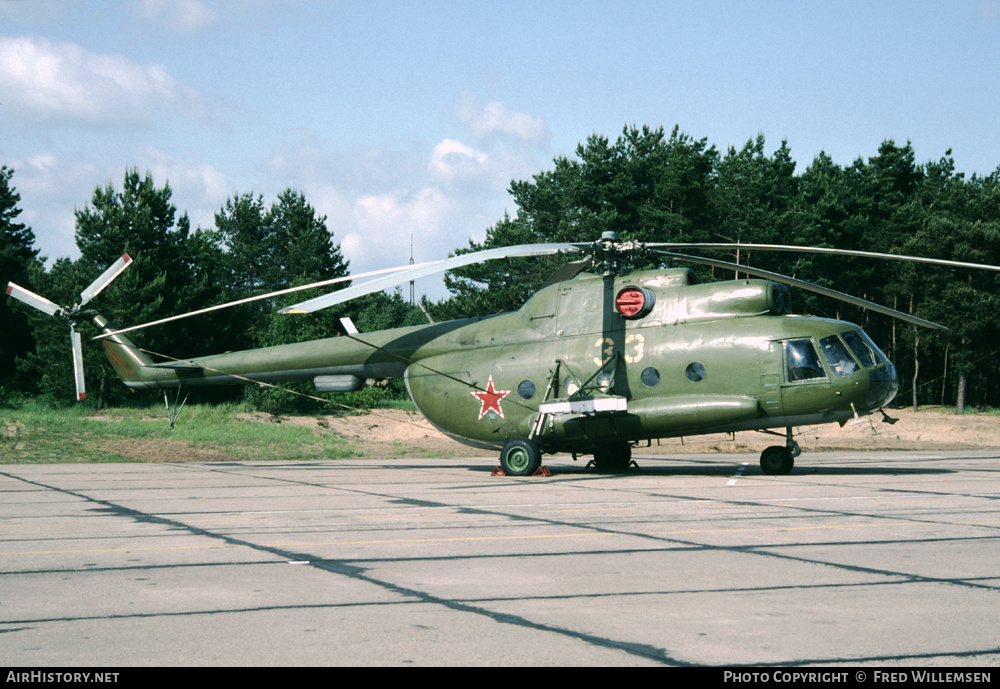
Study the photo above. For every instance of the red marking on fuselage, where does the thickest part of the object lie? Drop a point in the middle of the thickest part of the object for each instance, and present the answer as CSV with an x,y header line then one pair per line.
x,y
489,399
117,360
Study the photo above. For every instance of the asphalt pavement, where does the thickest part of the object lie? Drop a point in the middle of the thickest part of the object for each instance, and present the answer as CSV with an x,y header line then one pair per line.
x,y
854,559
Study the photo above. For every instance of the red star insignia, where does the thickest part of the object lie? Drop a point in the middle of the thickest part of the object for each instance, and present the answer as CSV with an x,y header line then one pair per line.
x,y
490,399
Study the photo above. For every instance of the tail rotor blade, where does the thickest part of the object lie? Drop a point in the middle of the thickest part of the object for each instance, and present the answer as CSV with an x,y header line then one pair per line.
x,y
32,299
81,392
105,279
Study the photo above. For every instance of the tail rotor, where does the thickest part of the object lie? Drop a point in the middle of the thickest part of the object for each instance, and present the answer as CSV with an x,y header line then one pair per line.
x,y
73,314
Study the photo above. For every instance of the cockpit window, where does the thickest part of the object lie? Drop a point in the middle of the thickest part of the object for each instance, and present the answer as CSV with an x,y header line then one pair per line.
x,y
801,361
863,347
836,354
879,355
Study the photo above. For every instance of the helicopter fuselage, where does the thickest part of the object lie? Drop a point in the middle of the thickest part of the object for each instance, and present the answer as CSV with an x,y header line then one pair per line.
x,y
587,363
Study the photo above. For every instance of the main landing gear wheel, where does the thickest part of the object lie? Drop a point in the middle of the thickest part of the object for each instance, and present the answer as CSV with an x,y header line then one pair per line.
x,y
520,457
613,459
776,460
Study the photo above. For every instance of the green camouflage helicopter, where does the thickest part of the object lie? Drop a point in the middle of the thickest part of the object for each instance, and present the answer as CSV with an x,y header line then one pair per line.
x,y
596,362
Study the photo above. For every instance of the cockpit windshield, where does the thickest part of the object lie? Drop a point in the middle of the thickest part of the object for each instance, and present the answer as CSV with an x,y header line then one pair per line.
x,y
842,363
862,346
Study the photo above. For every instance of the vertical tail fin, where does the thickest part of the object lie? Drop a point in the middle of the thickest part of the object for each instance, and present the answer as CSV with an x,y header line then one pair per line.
x,y
126,358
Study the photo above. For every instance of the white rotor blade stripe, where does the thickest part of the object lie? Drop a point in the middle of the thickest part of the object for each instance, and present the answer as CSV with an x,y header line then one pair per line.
x,y
105,279
324,283
32,299
81,392
380,284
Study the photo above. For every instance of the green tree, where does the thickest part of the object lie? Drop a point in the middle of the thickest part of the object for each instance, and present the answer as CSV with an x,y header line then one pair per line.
x,y
646,186
174,270
756,200
17,256
270,248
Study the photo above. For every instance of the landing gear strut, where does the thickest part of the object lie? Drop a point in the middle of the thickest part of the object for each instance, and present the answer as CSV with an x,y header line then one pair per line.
x,y
613,458
777,460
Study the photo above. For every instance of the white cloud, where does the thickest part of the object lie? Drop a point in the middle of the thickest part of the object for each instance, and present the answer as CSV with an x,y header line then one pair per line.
x,y
198,188
442,195
179,15
495,119
52,81
451,159
378,229
51,188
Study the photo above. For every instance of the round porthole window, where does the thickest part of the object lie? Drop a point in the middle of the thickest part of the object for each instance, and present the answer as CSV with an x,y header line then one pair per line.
x,y
650,377
526,389
604,382
695,372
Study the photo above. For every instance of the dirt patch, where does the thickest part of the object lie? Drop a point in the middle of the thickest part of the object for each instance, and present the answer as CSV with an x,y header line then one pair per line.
x,y
381,433
390,433
160,450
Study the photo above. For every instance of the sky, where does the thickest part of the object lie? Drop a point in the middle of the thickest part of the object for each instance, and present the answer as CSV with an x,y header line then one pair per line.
x,y
408,120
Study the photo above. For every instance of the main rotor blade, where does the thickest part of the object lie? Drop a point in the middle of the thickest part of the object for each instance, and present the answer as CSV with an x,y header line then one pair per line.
x,y
819,250
74,336
521,251
32,299
218,307
105,278
777,277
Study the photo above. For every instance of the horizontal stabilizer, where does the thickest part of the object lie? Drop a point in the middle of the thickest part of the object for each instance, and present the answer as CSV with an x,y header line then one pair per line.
x,y
177,366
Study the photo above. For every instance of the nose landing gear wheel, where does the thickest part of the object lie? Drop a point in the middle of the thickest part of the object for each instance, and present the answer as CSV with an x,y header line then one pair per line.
x,y
520,457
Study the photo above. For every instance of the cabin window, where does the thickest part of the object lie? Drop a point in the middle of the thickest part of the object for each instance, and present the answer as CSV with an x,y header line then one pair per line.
x,y
836,355
604,382
649,377
801,361
695,372
526,389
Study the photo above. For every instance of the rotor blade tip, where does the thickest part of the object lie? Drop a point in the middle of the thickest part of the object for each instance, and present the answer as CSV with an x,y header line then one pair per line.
x,y
81,397
126,258
10,288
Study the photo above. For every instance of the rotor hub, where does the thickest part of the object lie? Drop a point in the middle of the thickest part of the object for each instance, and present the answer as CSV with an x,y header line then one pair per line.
x,y
608,253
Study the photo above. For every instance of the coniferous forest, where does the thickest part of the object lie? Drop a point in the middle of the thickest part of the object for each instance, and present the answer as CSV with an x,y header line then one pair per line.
x,y
647,185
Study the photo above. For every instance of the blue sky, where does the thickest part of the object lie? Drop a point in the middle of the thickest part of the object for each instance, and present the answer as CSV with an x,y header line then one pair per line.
x,y
411,118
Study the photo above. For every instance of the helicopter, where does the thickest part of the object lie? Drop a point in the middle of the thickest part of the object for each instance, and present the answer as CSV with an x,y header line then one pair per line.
x,y
598,361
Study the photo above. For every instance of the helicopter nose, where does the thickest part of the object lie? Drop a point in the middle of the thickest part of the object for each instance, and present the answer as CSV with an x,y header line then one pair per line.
x,y
882,386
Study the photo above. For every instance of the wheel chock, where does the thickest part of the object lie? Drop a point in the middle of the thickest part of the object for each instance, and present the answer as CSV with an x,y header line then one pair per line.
x,y
540,471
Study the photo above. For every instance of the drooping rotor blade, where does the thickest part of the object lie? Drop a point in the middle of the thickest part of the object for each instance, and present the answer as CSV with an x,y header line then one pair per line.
x,y
258,297
818,250
105,278
81,392
32,299
777,277
414,272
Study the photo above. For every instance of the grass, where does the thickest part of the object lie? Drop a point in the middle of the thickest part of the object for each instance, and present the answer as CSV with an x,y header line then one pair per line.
x,y
35,434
